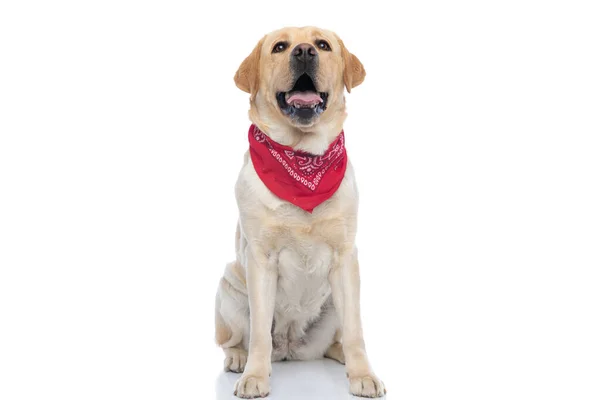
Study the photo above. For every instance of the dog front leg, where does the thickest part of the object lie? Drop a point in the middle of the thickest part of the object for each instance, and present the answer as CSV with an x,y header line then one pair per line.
x,y
261,277
345,285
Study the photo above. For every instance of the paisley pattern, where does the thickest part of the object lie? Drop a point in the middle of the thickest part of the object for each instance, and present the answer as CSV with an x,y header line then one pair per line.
x,y
305,168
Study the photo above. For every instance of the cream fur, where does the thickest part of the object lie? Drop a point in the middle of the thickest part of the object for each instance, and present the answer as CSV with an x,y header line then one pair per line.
x,y
293,291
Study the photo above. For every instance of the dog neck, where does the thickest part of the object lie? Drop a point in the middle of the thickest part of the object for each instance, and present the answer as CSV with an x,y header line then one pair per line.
x,y
313,140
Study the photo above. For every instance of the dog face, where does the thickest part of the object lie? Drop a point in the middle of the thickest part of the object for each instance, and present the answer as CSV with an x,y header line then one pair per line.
x,y
296,78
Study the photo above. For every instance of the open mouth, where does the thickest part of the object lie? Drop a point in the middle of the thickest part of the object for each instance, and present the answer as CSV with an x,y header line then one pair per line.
x,y
303,100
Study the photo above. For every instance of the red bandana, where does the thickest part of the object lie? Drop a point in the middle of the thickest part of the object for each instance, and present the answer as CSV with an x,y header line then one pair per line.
x,y
301,178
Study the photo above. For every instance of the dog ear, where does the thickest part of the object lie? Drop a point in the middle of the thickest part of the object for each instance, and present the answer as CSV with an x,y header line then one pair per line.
x,y
354,72
246,78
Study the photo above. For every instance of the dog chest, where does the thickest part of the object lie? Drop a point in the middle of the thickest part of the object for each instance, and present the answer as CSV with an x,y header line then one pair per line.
x,y
303,268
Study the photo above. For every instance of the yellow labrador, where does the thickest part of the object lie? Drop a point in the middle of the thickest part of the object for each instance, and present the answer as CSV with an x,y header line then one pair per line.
x,y
293,291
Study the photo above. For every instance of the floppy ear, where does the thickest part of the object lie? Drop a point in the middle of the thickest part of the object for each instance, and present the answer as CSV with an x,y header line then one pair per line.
x,y
354,72
246,77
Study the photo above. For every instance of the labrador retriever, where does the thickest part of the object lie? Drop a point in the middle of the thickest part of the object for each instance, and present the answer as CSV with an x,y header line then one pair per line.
x,y
293,291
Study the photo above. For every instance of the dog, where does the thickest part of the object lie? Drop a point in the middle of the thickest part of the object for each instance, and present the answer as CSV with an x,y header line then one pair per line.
x,y
293,291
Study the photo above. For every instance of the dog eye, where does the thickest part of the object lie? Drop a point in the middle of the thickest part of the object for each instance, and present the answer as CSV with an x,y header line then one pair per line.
x,y
323,45
279,47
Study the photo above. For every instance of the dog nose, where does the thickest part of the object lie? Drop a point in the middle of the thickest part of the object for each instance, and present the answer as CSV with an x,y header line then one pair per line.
x,y
304,52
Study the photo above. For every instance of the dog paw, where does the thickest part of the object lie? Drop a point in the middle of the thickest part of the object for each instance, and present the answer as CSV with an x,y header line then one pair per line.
x,y
251,386
235,359
366,386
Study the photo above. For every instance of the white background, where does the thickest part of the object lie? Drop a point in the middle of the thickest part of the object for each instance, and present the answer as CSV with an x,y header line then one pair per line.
x,y
475,139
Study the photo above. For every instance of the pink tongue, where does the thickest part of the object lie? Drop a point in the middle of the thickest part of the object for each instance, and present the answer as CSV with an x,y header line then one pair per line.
x,y
304,98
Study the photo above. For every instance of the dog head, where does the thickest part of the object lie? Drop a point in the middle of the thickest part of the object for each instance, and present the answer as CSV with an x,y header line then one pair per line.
x,y
296,79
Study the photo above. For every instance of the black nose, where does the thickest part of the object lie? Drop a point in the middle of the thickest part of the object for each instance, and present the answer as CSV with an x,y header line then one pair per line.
x,y
304,52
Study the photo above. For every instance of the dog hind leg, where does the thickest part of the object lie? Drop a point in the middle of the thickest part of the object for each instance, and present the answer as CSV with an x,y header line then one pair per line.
x,y
231,322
